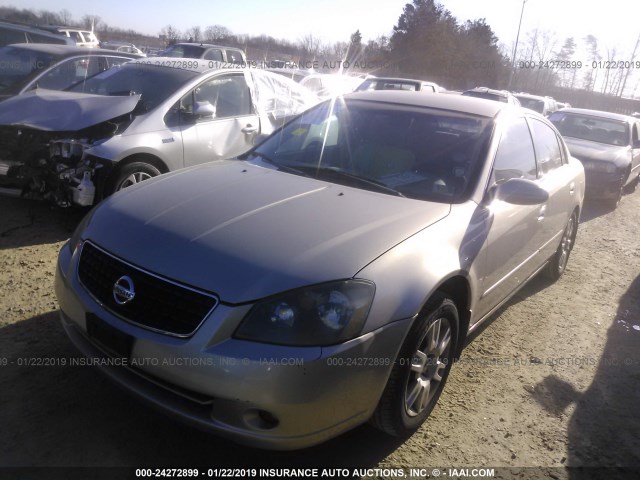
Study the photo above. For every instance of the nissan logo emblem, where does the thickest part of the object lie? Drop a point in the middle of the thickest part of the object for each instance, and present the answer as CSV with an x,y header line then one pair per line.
x,y
123,290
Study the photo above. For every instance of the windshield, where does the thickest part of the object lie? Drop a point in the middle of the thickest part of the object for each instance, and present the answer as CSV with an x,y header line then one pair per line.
x,y
594,129
18,66
153,83
399,150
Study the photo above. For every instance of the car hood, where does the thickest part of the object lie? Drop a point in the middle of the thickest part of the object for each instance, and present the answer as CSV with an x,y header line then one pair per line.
x,y
246,232
52,110
585,149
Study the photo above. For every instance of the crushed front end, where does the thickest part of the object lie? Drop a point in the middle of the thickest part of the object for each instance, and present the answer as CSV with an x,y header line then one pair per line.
x,y
55,166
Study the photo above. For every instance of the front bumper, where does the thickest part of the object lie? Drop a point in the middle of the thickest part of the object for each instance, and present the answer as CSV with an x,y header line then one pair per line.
x,y
603,185
268,396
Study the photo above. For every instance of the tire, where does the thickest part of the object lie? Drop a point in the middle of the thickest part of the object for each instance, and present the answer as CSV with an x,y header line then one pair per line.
x,y
421,369
558,263
130,174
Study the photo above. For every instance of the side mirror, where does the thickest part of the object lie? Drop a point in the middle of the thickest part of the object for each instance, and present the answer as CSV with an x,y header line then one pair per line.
x,y
520,191
204,109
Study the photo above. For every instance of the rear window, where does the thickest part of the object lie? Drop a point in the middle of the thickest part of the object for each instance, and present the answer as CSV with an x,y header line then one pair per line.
x,y
184,51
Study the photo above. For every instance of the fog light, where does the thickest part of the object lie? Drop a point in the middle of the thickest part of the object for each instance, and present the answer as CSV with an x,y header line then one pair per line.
x,y
260,419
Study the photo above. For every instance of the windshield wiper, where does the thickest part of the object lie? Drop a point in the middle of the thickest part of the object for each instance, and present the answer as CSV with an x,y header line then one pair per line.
x,y
334,172
271,161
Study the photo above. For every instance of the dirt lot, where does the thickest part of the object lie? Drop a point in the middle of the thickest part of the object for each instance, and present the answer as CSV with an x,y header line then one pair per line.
x,y
553,381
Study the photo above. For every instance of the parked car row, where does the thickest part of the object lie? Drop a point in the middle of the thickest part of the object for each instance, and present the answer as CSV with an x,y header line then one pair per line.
x,y
607,144
341,249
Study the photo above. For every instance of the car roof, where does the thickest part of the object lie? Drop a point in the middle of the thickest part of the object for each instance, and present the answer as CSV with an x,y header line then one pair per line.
x,y
396,79
62,28
528,95
67,50
36,30
599,113
474,106
206,45
117,42
491,91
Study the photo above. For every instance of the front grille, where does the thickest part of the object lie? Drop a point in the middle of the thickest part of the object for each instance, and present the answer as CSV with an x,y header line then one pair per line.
x,y
159,304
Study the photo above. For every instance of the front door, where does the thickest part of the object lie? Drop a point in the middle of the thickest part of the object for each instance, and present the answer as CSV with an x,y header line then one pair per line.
x,y
217,120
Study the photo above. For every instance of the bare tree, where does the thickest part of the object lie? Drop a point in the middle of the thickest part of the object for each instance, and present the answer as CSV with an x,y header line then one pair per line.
x,y
65,17
215,33
194,34
591,75
340,49
91,22
170,34
310,46
628,70
49,18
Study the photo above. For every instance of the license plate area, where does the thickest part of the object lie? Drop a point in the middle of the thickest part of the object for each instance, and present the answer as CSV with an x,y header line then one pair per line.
x,y
112,340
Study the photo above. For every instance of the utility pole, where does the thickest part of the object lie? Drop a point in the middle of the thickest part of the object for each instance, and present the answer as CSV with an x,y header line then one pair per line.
x,y
515,49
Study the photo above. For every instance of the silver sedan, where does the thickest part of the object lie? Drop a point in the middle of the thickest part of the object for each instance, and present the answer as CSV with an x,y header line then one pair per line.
x,y
330,276
137,121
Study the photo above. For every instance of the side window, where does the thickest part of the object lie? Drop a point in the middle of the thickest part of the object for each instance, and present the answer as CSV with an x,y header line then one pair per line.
x,y
115,61
8,36
213,54
515,157
635,137
228,95
233,56
547,147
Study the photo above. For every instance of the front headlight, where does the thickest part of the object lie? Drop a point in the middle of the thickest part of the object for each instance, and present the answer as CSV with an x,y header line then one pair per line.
x,y
602,167
320,315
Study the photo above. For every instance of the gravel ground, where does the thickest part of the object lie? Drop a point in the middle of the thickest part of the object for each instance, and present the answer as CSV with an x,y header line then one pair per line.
x,y
552,381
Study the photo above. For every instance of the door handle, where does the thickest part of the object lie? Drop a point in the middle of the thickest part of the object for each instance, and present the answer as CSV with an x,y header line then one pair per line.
x,y
543,210
572,188
249,129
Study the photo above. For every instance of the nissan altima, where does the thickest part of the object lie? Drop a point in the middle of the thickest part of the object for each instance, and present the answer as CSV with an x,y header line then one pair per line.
x,y
329,276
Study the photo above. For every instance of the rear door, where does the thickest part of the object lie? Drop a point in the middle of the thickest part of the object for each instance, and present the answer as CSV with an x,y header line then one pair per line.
x,y
556,177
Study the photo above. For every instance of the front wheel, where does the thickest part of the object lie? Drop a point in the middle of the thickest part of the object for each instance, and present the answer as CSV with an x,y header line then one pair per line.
x,y
131,174
558,263
421,369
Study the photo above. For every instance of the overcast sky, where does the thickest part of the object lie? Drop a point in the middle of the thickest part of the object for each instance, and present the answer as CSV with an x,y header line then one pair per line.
x,y
616,23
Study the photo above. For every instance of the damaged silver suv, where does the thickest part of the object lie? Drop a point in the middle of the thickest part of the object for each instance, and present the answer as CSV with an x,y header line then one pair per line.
x,y
134,122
